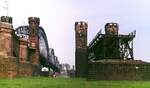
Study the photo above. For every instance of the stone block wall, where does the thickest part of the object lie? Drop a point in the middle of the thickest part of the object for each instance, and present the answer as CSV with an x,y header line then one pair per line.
x,y
81,62
27,69
8,66
6,39
119,70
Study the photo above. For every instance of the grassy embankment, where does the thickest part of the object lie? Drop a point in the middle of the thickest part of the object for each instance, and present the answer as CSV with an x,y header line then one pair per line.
x,y
43,82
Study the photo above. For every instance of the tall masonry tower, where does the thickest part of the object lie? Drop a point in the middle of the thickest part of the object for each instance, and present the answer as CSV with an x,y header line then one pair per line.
x,y
6,41
81,48
33,39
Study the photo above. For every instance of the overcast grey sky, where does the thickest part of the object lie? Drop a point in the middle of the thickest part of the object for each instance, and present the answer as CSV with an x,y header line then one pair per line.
x,y
58,18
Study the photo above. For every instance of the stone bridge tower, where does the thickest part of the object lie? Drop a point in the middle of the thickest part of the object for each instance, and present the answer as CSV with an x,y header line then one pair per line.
x,y
81,48
6,41
34,40
8,63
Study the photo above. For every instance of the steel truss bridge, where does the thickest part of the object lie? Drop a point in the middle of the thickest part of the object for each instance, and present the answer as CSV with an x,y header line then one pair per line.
x,y
117,46
47,55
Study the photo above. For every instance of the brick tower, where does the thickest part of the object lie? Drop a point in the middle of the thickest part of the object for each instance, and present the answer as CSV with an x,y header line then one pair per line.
x,y
8,63
81,49
34,40
6,41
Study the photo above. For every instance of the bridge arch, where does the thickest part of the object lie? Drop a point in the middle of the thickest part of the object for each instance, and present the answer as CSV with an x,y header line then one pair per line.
x,y
47,55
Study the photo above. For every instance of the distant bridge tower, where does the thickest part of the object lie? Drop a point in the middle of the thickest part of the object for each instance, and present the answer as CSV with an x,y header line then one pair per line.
x,y
81,48
34,40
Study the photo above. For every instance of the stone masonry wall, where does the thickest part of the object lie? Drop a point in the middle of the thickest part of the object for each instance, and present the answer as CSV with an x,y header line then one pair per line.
x,y
119,70
8,66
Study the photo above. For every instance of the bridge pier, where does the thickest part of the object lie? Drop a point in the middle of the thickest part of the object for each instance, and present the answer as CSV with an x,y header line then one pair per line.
x,y
34,40
23,50
8,63
81,61
19,49
6,41
29,51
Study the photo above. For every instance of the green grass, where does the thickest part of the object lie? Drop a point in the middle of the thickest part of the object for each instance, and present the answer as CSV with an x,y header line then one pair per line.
x,y
43,82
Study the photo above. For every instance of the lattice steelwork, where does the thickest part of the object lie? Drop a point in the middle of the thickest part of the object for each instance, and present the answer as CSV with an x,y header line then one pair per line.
x,y
111,45
45,53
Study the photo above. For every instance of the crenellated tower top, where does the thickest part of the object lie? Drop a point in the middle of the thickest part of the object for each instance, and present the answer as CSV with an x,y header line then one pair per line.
x,y
6,19
34,23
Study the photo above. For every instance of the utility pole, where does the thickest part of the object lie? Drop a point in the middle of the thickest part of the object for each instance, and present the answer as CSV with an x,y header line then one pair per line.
x,y
5,6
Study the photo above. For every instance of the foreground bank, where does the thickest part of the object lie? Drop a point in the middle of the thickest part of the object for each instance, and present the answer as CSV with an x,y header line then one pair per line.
x,y
43,82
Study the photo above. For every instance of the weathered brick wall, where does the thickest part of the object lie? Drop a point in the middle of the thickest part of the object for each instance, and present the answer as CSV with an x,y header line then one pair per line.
x,y
23,50
6,39
27,69
34,23
8,66
120,70
36,70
